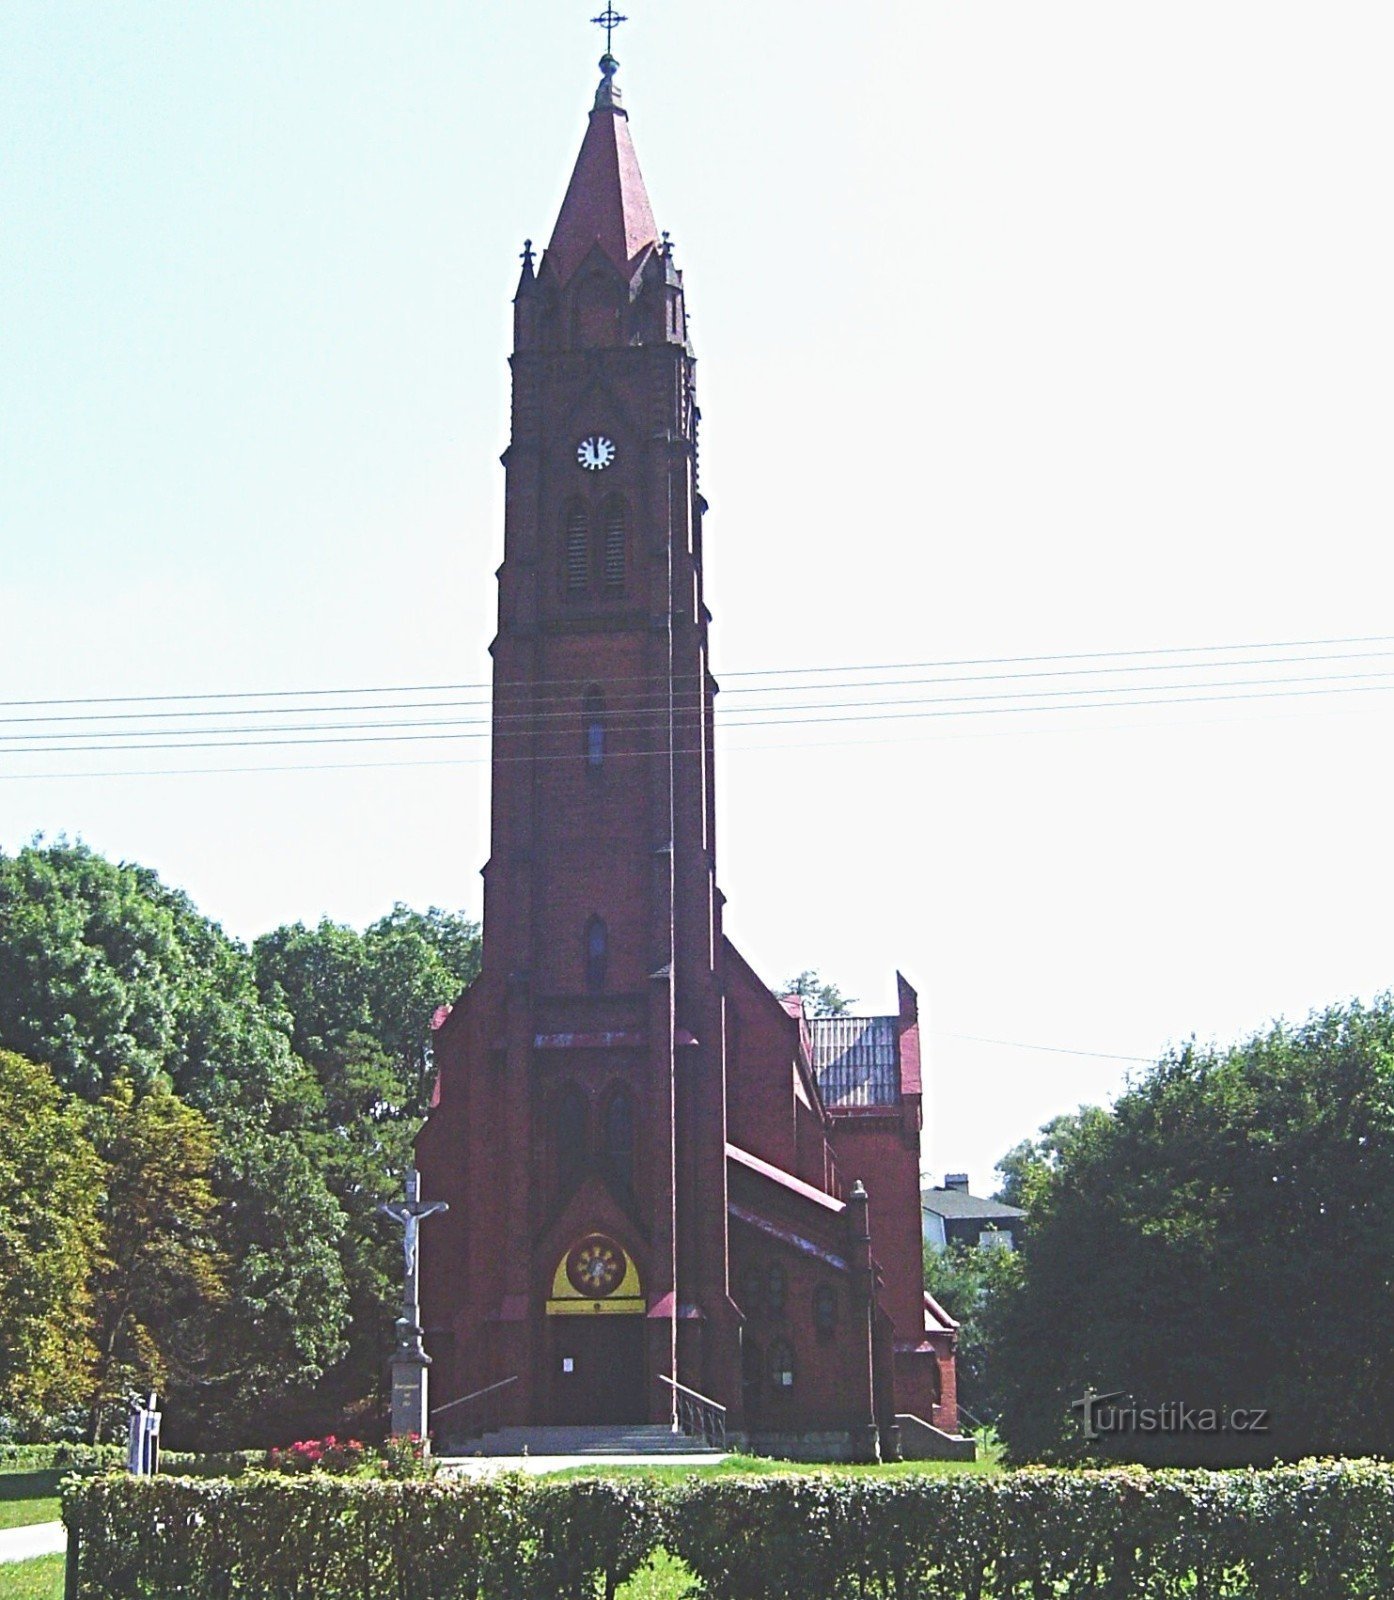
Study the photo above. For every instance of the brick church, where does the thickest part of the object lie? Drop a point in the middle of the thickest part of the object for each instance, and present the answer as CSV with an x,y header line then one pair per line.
x,y
674,1197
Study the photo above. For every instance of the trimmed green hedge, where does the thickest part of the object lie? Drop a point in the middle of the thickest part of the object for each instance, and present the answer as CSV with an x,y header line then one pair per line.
x,y
1322,1528
101,1457
271,1537
60,1457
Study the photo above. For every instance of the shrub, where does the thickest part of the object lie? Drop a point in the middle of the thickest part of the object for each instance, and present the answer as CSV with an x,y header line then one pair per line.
x,y
1322,1528
275,1537
403,1459
406,1458
340,1457
1325,1528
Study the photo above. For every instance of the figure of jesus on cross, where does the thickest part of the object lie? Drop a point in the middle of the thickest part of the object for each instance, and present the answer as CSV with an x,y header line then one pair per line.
x,y
411,1213
410,1413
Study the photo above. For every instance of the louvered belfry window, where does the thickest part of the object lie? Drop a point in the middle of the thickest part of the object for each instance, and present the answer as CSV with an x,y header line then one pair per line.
x,y
577,550
614,547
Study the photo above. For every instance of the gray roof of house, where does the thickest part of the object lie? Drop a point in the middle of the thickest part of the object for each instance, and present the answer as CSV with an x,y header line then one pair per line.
x,y
953,1203
855,1060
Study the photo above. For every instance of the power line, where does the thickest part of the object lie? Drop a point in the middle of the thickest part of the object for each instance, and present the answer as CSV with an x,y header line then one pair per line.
x,y
263,768
768,672
1049,1049
686,719
847,687
611,755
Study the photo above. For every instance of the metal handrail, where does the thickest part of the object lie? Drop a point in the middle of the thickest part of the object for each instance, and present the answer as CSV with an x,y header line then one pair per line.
x,y
477,1395
697,1414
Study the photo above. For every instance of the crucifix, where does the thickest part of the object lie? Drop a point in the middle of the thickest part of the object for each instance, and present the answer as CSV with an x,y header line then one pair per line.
x,y
409,1360
609,19
411,1213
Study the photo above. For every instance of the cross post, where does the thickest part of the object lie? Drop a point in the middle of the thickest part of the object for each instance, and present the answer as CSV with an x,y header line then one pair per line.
x,y
409,1360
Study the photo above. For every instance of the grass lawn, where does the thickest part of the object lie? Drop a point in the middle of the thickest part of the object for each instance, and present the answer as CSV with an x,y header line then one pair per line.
x,y
43,1580
26,1498
661,1578
742,1465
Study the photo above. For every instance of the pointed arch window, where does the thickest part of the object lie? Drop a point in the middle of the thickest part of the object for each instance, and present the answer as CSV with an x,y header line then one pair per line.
x,y
570,1135
619,1137
576,567
597,954
593,729
615,548
781,1360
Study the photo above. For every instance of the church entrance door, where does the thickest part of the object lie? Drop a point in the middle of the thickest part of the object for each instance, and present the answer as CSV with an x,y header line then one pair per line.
x,y
598,1370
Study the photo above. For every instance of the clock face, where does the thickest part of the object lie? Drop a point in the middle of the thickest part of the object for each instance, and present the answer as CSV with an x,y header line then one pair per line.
x,y
596,453
595,1268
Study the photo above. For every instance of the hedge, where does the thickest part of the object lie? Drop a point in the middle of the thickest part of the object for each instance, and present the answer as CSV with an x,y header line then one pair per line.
x,y
267,1536
1324,1529
88,1458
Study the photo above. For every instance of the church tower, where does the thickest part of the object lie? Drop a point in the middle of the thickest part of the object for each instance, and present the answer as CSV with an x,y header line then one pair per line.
x,y
631,1131
601,913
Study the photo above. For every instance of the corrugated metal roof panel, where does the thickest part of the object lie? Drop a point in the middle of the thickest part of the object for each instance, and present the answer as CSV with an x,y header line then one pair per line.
x,y
855,1060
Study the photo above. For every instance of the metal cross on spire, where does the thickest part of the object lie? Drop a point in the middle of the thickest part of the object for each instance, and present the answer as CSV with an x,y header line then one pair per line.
x,y
609,19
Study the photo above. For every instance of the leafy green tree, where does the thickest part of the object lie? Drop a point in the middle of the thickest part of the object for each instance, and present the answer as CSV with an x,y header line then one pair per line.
x,y
310,1061
824,999
285,1320
342,988
361,1006
160,1269
971,1283
112,977
1221,1238
50,1180
104,972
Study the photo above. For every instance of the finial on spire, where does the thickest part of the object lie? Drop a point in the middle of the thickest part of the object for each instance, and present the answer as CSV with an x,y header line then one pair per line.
x,y
529,254
666,248
609,19
607,95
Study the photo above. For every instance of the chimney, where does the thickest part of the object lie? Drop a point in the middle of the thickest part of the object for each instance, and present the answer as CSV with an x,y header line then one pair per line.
x,y
956,1180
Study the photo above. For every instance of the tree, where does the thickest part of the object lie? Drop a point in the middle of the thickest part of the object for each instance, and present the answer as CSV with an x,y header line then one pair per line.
x,y
50,1179
1219,1238
971,1284
824,999
115,978
342,988
160,1270
104,972
361,1006
284,1322
309,1062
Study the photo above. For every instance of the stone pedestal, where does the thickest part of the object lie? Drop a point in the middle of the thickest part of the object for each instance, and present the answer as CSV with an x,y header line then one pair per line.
x,y
866,1443
410,1387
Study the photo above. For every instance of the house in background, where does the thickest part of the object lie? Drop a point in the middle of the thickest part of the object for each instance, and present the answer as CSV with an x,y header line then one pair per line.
x,y
953,1216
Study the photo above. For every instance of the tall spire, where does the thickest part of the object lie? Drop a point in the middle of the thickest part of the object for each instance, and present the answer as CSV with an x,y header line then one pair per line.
x,y
606,203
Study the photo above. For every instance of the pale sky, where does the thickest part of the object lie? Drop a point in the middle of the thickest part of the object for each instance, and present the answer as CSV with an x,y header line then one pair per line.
x,y
1025,330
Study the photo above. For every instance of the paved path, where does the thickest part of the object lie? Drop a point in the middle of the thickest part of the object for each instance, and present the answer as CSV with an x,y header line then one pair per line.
x,y
480,1466
42,1539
